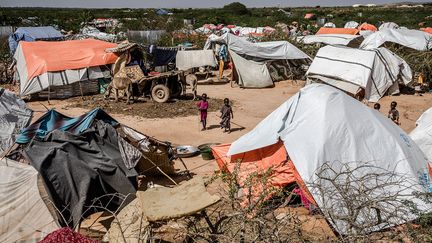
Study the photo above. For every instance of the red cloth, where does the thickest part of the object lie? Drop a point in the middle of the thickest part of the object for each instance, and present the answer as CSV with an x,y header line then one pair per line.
x,y
203,106
66,235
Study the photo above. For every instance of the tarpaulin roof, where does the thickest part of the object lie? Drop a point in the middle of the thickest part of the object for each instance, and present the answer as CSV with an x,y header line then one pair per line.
x,y
24,215
323,124
77,169
366,26
346,31
332,39
415,39
53,120
14,116
32,34
259,162
40,57
272,50
375,70
427,30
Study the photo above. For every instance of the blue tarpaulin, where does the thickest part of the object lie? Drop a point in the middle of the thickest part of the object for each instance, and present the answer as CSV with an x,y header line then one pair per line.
x,y
33,34
53,120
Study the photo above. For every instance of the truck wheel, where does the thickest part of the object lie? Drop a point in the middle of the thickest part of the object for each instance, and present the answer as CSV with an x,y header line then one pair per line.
x,y
160,93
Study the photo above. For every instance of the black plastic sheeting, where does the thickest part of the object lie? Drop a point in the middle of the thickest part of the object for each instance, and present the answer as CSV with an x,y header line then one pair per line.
x,y
77,169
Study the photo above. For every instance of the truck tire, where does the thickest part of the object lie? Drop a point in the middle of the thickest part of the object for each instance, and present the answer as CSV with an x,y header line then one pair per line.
x,y
160,93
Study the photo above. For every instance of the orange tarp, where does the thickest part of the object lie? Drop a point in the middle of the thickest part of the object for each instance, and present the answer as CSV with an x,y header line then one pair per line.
x,y
427,30
260,161
309,15
366,26
347,31
52,56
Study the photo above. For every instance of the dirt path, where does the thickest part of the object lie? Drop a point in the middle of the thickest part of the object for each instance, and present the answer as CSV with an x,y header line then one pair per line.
x,y
250,107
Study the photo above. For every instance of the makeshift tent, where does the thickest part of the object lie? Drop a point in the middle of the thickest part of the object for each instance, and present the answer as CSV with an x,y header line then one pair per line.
x,y
344,31
33,34
415,39
422,134
195,58
77,169
329,25
43,64
248,56
24,215
333,39
388,25
53,120
351,24
376,71
14,116
322,124
366,26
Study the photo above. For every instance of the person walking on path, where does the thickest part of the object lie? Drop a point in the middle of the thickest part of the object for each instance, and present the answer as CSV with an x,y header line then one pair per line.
x,y
203,106
226,115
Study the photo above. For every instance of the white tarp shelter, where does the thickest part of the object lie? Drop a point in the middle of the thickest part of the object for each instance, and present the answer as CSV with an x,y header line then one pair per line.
x,y
351,25
333,39
249,54
195,58
422,134
322,124
24,216
388,25
415,39
376,71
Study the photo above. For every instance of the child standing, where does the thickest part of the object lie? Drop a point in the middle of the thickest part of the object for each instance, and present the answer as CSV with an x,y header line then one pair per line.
x,y
393,113
203,106
226,115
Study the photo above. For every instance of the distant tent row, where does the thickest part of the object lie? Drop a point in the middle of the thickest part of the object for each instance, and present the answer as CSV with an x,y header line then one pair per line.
x,y
251,60
322,124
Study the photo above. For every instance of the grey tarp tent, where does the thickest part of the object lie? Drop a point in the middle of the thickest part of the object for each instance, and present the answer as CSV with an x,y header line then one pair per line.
x,y
377,71
33,34
14,116
250,55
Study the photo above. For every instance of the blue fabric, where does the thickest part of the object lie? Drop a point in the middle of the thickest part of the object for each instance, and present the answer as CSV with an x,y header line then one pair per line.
x,y
223,54
162,12
53,120
32,34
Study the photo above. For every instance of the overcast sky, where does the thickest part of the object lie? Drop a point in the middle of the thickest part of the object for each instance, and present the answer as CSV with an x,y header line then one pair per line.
x,y
180,3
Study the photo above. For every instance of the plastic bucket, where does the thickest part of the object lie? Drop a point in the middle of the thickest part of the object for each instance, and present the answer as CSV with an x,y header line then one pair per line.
x,y
206,153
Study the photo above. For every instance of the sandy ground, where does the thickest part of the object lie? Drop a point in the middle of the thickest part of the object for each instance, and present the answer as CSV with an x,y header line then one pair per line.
x,y
250,107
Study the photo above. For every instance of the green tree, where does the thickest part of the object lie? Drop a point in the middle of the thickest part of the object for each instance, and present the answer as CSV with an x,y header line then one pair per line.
x,y
236,8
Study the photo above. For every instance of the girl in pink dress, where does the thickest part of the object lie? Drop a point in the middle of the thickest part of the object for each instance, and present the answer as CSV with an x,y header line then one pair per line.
x,y
203,106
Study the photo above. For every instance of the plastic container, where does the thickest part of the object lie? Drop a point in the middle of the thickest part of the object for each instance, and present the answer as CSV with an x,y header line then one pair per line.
x,y
206,153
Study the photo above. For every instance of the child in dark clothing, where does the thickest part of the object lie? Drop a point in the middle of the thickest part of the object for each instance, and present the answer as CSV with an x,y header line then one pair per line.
x,y
393,113
226,115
